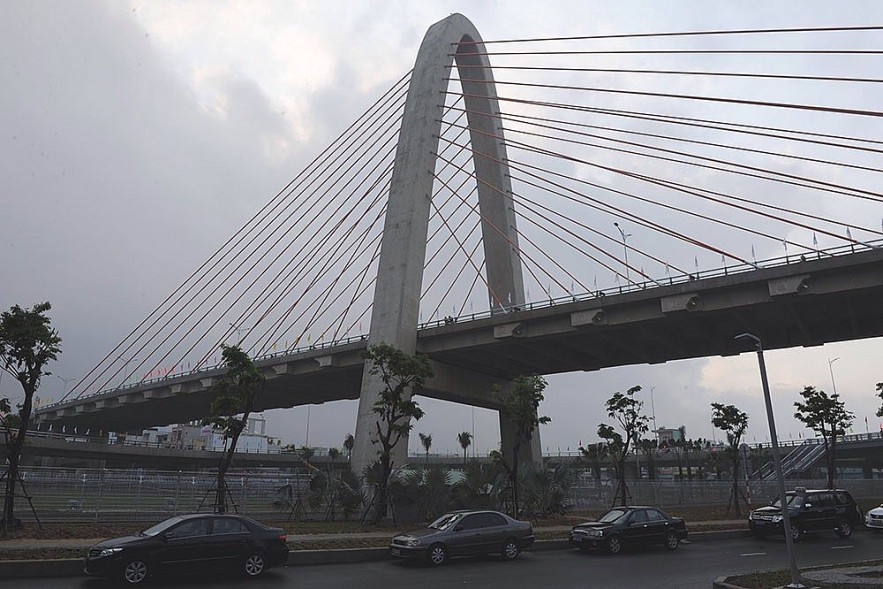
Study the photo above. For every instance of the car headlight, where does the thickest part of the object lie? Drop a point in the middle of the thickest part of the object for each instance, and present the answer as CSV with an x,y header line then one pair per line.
x,y
777,518
595,533
412,542
108,552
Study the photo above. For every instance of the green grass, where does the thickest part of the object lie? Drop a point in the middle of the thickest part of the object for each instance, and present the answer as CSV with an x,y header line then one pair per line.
x,y
769,579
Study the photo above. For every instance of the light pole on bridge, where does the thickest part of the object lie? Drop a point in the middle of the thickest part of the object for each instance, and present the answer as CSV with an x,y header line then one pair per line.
x,y
65,381
625,249
831,370
239,331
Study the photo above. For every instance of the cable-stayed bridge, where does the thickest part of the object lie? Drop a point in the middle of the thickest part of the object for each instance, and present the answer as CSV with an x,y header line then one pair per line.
x,y
568,209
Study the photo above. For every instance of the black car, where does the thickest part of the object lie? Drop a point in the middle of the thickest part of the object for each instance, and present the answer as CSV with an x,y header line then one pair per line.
x,y
810,511
187,543
464,532
629,526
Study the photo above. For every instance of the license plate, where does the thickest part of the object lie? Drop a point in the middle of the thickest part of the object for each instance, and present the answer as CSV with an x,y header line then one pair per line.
x,y
397,551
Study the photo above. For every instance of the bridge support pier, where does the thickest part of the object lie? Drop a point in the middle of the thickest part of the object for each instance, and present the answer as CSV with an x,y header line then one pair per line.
x,y
530,454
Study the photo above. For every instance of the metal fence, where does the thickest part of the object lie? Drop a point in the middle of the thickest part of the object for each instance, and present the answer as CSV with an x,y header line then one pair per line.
x,y
592,494
108,495
105,495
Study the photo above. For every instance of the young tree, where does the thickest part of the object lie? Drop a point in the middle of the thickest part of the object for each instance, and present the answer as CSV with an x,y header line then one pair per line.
x,y
236,395
880,394
306,454
426,441
395,408
594,453
733,422
626,411
465,439
647,447
716,460
519,405
828,417
348,442
27,343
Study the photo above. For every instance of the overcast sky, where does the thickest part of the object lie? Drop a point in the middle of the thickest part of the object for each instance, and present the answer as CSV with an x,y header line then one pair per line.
x,y
135,137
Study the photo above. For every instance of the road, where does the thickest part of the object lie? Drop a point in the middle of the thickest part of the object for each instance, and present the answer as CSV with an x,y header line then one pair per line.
x,y
693,565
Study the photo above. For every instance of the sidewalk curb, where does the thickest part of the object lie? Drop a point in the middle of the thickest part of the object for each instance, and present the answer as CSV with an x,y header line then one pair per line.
x,y
72,567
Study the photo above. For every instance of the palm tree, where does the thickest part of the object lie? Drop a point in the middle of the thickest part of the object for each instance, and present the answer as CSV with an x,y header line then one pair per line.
x,y
465,439
426,440
348,443
333,454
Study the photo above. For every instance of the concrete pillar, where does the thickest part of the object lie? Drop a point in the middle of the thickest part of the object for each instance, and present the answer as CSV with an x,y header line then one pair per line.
x,y
396,306
529,455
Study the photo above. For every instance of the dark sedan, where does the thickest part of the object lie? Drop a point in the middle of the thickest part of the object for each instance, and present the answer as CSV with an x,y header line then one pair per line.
x,y
187,543
464,532
629,526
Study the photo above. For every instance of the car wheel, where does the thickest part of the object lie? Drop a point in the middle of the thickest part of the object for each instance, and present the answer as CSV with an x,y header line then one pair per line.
x,y
254,564
135,572
844,528
614,545
671,540
796,533
511,549
437,555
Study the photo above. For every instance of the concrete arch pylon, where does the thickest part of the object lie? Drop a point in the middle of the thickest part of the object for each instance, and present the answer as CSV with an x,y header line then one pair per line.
x,y
395,313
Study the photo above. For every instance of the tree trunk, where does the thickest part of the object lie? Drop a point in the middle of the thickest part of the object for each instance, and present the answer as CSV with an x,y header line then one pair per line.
x,y
736,480
514,480
223,467
828,461
15,445
382,494
9,520
832,462
623,491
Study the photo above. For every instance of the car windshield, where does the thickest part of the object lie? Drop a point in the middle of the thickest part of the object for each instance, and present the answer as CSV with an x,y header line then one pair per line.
x,y
793,501
161,527
445,521
613,515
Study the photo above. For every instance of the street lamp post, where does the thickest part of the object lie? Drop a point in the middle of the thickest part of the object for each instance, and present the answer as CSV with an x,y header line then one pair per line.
x,y
65,381
625,249
831,370
239,331
652,408
777,463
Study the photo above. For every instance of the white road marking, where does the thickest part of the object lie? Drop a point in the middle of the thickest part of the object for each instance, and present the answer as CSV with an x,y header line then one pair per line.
x,y
841,547
753,554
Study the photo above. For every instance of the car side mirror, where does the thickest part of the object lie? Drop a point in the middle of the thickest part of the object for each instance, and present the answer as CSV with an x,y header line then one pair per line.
x,y
458,528
164,537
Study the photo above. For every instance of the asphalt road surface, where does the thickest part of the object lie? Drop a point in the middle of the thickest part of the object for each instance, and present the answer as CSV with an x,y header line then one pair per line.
x,y
692,565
